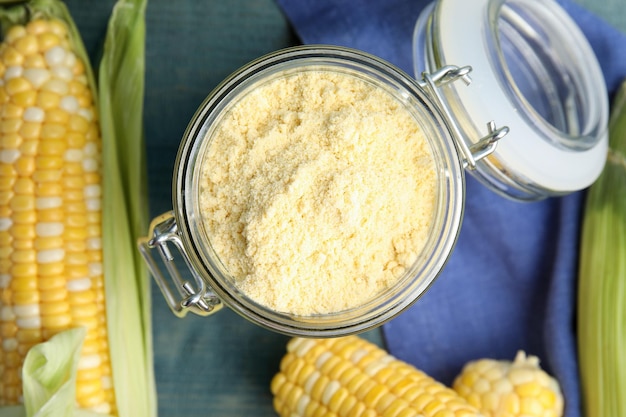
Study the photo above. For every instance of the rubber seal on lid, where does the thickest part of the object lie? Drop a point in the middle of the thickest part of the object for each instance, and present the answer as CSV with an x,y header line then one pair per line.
x,y
535,72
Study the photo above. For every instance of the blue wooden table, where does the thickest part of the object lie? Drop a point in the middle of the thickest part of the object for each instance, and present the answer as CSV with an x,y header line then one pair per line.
x,y
220,365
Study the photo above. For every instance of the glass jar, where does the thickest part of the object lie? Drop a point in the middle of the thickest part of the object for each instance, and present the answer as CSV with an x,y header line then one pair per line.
x,y
462,136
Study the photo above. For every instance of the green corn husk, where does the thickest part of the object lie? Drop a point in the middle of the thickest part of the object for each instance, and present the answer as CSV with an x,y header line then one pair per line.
x,y
125,210
602,280
49,370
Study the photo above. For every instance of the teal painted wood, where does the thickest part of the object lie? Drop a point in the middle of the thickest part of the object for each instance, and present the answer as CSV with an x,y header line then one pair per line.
x,y
612,11
220,365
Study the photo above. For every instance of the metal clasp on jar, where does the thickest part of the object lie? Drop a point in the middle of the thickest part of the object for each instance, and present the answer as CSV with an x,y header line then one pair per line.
x,y
431,83
198,298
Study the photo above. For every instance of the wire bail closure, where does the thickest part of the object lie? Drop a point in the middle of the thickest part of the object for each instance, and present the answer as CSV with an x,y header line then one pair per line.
x,y
470,155
198,298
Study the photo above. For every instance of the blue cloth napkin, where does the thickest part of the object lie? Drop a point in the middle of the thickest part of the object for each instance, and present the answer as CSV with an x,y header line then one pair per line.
x,y
510,283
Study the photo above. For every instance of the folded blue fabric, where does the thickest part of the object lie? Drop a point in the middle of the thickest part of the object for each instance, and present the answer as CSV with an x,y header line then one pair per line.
x,y
510,283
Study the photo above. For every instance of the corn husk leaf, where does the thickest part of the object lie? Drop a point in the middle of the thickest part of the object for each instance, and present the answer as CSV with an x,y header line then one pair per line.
x,y
49,387
124,211
49,375
602,282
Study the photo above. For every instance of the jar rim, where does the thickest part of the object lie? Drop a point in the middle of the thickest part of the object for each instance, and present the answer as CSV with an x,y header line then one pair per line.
x,y
450,196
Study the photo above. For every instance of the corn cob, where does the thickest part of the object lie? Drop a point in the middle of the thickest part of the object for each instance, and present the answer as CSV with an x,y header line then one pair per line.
x,y
601,307
350,376
50,208
510,389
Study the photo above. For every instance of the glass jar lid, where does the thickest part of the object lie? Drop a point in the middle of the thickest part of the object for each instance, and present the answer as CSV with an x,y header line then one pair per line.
x,y
533,70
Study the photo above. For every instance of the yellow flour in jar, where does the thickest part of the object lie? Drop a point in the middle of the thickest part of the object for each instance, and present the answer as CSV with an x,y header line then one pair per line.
x,y
317,192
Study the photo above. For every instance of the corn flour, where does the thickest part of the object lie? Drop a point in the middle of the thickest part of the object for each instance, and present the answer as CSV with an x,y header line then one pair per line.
x,y
317,192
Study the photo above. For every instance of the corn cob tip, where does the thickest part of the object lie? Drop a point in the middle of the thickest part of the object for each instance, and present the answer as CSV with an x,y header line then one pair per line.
x,y
510,388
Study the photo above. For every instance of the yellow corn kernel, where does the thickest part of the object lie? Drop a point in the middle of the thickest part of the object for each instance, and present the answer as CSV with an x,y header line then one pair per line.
x,y
54,307
24,256
82,297
25,98
548,398
37,26
78,124
24,283
10,125
49,242
89,373
76,272
25,166
17,85
6,184
48,100
22,202
528,389
14,33
73,168
51,269
56,116
30,130
53,295
24,217
55,323
49,215
11,111
21,243
78,69
5,197
74,181
52,281
9,141
51,175
76,88
49,189
28,335
73,194
26,45
24,186
47,40
51,131
76,258
34,61
76,246
58,28
11,57
25,298
84,99
75,140
48,162
75,233
54,147
28,148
